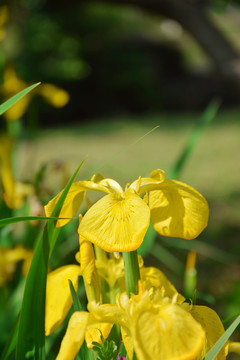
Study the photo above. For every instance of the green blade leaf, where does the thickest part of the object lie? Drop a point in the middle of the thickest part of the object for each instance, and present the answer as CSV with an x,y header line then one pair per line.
x,y
76,302
13,220
10,102
206,118
31,337
11,344
223,339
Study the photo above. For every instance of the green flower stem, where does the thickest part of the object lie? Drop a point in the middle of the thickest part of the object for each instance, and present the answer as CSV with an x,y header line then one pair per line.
x,y
102,255
132,273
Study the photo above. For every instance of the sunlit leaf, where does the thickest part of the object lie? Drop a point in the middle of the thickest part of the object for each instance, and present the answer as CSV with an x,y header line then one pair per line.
x,y
223,339
10,102
13,220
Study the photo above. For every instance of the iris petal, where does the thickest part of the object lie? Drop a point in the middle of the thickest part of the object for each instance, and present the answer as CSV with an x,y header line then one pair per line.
x,y
74,336
171,333
73,200
144,185
178,210
58,295
213,326
95,331
116,223
153,277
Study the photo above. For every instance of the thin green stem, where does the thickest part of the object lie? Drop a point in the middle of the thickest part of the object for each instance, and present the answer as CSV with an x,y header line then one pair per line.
x,y
132,273
102,255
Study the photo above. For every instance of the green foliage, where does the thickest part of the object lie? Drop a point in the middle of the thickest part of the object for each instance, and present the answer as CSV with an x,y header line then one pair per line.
x,y
107,351
13,220
11,344
76,302
10,102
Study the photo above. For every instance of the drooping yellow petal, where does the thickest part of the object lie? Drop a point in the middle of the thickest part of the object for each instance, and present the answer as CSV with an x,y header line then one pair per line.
x,y
71,204
6,172
15,192
53,95
58,295
153,277
178,210
116,222
86,254
88,268
94,332
74,336
170,333
73,200
213,327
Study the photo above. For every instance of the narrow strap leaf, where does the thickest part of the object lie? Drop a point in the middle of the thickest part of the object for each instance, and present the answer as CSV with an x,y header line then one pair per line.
x,y
13,220
223,339
76,302
10,102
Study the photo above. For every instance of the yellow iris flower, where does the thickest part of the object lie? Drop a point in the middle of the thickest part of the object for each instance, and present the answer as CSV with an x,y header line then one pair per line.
x,y
58,295
119,220
12,84
14,192
9,258
152,325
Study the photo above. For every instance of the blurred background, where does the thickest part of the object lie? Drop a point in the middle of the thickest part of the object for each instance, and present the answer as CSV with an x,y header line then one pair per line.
x,y
110,71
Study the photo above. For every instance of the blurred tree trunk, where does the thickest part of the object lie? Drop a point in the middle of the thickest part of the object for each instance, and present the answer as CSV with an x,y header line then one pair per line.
x,y
192,16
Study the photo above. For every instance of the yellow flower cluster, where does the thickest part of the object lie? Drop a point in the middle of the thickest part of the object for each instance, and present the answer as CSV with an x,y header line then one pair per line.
x,y
155,324
155,321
